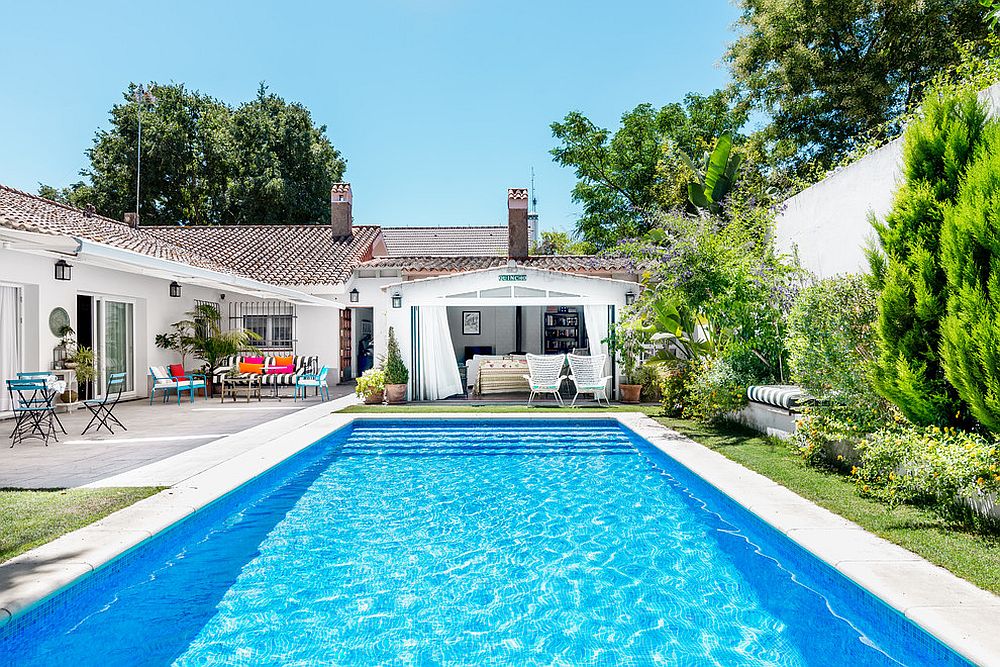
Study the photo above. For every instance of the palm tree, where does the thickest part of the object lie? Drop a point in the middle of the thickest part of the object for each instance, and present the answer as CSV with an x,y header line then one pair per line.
x,y
210,343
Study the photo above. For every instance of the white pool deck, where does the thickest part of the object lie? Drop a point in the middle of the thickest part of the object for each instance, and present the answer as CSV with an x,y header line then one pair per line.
x,y
953,610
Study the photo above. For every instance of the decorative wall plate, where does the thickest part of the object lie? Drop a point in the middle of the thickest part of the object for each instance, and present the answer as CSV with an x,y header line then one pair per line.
x,y
58,320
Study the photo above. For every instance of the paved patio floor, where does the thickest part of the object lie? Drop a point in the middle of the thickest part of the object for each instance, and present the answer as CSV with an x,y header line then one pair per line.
x,y
155,432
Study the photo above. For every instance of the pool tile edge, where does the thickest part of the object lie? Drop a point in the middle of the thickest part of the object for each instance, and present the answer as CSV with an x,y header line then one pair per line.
x,y
953,610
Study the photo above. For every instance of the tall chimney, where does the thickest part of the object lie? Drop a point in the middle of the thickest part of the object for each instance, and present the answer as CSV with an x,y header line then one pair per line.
x,y
341,220
517,223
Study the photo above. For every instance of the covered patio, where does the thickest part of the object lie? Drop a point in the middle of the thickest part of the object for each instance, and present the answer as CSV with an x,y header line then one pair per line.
x,y
449,326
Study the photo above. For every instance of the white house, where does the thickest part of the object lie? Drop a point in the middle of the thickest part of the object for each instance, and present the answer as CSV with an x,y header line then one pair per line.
x,y
326,290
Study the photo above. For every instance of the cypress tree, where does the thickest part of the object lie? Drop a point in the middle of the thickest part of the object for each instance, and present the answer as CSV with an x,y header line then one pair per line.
x,y
911,281
970,253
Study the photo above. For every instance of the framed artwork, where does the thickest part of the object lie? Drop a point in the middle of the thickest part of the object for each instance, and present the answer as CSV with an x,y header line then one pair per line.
x,y
470,322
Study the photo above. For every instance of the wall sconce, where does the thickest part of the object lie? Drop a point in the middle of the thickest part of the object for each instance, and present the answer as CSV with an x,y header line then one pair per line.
x,y
354,295
397,300
175,289
629,298
64,271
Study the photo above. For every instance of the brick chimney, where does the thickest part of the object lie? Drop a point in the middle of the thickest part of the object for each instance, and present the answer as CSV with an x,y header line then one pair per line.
x,y
517,223
341,219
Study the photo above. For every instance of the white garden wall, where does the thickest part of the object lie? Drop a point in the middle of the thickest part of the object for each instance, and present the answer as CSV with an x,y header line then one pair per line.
x,y
827,224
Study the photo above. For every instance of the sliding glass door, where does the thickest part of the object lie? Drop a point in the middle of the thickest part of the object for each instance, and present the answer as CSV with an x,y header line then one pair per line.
x,y
11,339
116,341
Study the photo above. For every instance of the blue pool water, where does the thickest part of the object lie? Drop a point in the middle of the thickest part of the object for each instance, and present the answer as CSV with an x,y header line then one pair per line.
x,y
470,543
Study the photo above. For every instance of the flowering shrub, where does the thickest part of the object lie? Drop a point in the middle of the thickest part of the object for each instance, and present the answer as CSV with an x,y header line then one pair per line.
x,y
715,390
674,387
371,382
931,464
831,343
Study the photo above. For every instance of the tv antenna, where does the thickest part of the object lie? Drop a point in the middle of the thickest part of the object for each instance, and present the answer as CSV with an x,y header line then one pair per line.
x,y
534,199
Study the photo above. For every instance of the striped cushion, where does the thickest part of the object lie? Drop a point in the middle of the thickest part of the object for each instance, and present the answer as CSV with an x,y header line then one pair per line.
x,y
779,395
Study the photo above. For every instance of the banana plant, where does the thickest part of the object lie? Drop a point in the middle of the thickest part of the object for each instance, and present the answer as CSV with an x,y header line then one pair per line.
x,y
715,178
680,333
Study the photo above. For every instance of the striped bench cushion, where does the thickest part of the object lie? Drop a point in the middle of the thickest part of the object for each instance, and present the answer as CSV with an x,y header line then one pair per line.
x,y
779,395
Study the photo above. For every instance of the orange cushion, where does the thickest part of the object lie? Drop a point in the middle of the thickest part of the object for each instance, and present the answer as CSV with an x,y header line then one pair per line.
x,y
251,368
283,361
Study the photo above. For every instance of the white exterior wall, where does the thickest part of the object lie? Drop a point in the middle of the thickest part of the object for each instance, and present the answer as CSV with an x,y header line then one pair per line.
x,y
828,223
154,310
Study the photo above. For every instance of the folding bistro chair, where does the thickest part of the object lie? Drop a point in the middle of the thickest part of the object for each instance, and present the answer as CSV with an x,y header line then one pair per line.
x,y
101,408
31,402
43,376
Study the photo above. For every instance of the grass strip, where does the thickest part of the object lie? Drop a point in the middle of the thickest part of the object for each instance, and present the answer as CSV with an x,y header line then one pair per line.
x,y
29,518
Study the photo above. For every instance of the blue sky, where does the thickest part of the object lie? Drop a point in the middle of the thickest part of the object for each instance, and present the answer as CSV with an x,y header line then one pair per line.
x,y
438,105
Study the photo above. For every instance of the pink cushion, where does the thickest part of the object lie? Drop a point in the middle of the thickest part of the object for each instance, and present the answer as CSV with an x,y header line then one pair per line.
x,y
281,369
253,360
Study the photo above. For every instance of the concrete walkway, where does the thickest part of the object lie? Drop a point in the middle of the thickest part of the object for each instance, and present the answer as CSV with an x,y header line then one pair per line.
x,y
155,432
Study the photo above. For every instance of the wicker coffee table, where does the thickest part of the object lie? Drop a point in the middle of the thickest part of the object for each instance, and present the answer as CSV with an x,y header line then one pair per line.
x,y
241,385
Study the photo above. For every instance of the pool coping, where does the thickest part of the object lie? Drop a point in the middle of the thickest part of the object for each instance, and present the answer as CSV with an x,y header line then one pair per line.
x,y
951,609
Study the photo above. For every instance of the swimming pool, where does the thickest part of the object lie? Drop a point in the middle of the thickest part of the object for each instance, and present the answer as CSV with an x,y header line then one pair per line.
x,y
470,542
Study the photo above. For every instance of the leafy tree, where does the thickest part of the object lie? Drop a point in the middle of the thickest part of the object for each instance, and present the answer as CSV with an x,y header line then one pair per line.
x,y
625,174
394,367
561,243
970,253
908,272
204,162
285,164
830,73
76,194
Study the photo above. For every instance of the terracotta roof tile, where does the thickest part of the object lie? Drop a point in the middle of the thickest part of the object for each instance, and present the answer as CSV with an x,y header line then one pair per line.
x,y
280,254
31,213
452,264
467,241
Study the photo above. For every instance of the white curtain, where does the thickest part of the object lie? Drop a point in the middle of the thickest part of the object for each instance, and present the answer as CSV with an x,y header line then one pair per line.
x,y
10,344
439,377
596,320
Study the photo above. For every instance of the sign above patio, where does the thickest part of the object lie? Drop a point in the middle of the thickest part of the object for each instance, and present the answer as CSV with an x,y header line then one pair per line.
x,y
513,277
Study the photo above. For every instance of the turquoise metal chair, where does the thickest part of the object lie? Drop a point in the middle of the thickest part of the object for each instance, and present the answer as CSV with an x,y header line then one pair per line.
x,y
31,402
317,380
102,408
42,376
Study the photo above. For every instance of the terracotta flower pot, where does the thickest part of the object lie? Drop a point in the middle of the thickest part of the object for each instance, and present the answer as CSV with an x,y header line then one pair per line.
x,y
375,398
630,392
395,394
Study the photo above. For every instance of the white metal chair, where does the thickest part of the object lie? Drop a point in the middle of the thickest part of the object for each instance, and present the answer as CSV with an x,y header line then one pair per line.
x,y
545,375
588,376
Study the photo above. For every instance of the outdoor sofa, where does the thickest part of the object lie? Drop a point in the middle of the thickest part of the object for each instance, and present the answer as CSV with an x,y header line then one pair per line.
x,y
275,371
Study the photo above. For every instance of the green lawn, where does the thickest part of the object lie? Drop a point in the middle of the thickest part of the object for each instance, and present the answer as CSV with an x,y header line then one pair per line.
x,y
31,518
971,555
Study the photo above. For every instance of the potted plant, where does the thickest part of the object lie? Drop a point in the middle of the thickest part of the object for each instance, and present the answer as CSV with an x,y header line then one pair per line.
x,y
371,386
179,339
396,373
84,360
626,342
213,345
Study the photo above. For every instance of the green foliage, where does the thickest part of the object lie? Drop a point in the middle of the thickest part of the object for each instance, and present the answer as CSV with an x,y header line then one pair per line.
x,y
828,73
213,345
832,343
716,177
675,386
86,363
395,370
992,12
371,382
179,339
627,341
561,243
622,175
970,254
675,331
911,281
205,162
927,465
715,391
